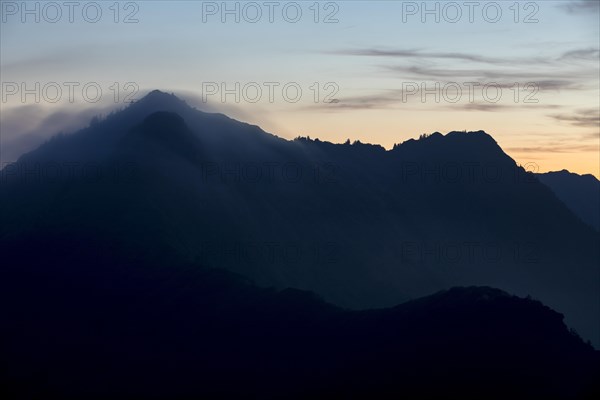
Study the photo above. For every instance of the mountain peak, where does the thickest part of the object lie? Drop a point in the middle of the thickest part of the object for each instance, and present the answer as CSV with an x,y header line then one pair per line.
x,y
463,143
161,100
159,94
470,134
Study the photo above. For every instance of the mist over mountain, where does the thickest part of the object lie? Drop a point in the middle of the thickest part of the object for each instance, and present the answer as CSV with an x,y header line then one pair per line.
x,y
358,225
581,193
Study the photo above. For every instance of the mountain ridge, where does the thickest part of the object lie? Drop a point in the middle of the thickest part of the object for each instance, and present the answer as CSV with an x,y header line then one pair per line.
x,y
159,101
581,193
359,225
148,328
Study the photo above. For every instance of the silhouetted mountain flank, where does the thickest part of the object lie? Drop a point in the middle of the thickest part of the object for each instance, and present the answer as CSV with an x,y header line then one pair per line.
x,y
360,226
163,131
581,193
90,320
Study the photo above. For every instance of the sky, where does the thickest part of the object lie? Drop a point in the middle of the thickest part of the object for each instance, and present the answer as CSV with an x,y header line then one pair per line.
x,y
528,73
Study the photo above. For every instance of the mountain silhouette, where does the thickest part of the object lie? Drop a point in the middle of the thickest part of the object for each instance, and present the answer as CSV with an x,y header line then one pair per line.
x,y
87,318
359,225
581,193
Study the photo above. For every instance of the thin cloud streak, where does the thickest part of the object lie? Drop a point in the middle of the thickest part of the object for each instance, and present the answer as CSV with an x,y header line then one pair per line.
x,y
581,6
587,53
417,53
554,149
582,118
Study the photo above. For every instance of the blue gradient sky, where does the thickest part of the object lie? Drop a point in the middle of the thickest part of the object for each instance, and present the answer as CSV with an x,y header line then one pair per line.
x,y
370,55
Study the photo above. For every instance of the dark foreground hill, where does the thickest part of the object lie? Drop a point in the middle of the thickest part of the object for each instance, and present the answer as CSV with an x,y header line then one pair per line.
x,y
84,319
360,226
581,193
